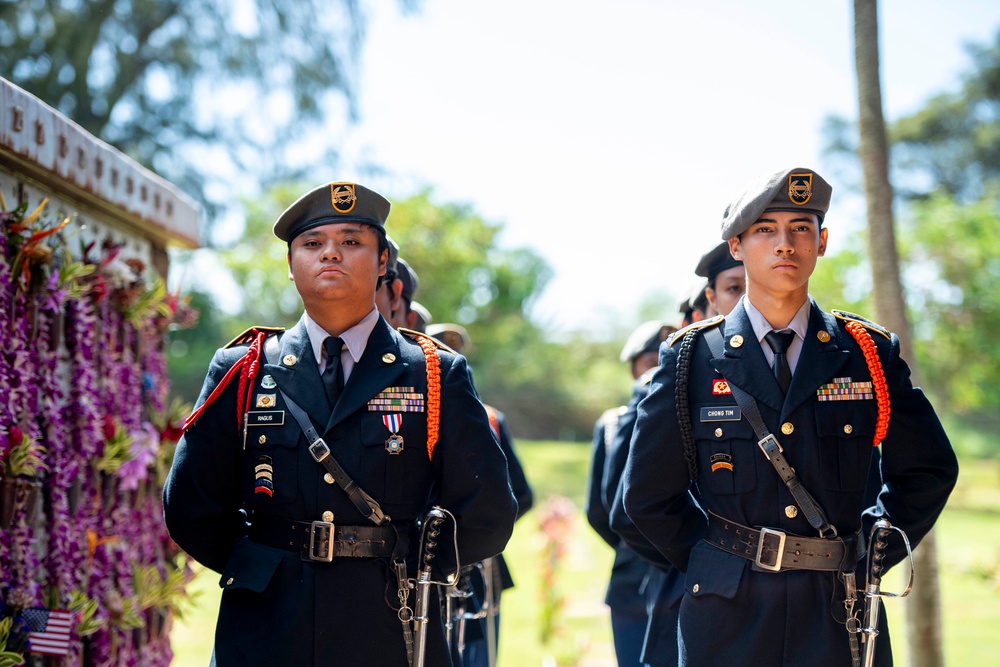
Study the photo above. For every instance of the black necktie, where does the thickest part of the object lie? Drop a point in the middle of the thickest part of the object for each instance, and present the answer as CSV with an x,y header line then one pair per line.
x,y
779,343
333,375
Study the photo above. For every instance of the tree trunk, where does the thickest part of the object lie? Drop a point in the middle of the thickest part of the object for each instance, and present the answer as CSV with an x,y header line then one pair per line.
x,y
923,608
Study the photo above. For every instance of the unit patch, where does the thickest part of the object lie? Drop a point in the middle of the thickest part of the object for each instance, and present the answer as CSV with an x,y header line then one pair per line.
x,y
397,399
800,188
721,388
844,389
263,476
723,413
266,400
721,461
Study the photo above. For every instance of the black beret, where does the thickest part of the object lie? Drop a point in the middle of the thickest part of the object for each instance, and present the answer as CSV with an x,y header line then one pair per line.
x,y
332,203
646,338
797,189
409,277
715,261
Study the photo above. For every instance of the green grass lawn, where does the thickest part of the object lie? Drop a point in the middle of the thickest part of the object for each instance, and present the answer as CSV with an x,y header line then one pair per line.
x,y
968,539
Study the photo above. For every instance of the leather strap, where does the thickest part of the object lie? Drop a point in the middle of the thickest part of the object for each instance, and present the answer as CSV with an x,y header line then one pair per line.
x,y
320,451
772,449
774,550
309,538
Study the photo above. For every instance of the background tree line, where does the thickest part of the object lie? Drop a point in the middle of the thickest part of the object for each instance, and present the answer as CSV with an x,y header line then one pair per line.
x,y
147,76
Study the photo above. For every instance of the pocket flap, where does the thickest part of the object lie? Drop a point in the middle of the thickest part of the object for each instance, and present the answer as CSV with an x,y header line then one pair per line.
x,y
251,566
712,571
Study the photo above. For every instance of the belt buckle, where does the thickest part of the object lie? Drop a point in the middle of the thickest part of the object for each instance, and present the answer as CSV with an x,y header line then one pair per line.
x,y
764,532
321,549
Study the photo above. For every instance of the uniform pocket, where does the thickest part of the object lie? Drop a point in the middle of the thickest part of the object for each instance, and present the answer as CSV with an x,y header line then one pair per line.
x,y
271,464
727,453
250,567
846,430
712,571
395,451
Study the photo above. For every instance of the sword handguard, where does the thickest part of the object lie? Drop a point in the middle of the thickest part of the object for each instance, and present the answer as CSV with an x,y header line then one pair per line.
x,y
877,542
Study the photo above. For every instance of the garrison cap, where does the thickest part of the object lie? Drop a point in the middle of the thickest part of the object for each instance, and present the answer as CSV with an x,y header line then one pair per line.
x,y
797,189
409,278
453,335
646,338
715,261
332,203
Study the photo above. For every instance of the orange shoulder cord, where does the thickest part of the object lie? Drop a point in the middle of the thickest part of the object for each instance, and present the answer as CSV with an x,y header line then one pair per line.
x,y
491,414
433,392
867,345
247,366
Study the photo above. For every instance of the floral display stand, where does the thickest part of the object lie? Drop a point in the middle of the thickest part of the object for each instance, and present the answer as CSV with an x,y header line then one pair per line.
x,y
88,574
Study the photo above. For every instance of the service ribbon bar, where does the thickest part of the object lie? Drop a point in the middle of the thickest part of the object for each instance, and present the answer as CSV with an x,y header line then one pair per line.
x,y
397,399
844,389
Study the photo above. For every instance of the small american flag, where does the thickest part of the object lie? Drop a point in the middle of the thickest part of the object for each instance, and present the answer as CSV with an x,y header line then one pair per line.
x,y
50,630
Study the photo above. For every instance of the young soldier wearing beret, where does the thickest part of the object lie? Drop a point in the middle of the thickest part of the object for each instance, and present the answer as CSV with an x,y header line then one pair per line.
x,y
316,536
768,568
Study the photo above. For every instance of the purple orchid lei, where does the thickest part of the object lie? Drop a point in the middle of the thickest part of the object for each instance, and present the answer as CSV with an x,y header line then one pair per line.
x,y
70,364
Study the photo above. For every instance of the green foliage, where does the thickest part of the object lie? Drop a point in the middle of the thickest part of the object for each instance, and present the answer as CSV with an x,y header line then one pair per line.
x,y
7,658
183,87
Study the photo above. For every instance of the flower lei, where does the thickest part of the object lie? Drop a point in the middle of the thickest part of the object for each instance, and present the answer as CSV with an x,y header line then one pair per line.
x,y
81,343
867,345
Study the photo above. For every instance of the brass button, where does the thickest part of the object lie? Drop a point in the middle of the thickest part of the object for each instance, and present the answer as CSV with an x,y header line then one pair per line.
x,y
848,429
787,428
328,478
328,516
791,511
388,357
229,582
823,336
695,588
289,360
718,433
262,439
736,341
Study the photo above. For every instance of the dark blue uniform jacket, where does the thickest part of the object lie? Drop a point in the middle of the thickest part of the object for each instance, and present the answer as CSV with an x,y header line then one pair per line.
x,y
730,612
278,609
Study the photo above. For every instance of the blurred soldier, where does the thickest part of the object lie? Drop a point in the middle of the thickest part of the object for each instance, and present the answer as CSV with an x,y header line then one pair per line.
x,y
727,279
626,587
317,542
388,296
770,415
480,640
405,316
423,316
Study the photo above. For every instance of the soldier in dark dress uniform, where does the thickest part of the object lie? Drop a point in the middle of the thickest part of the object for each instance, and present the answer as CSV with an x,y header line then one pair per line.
x,y
312,559
627,586
763,584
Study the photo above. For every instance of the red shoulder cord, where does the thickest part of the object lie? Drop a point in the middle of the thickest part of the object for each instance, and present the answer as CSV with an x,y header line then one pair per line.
x,y
247,366
433,393
867,345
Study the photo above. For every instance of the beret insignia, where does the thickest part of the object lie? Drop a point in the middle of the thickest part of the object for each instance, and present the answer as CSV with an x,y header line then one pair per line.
x,y
342,197
800,188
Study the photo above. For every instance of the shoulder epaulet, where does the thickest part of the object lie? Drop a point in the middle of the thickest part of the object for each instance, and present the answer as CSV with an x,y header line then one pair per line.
x,y
417,335
868,324
647,377
700,324
250,334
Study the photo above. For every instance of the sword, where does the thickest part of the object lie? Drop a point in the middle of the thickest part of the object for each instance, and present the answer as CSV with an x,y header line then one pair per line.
x,y
429,534
877,542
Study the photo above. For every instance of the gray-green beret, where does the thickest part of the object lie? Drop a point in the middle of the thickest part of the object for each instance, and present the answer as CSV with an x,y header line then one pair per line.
x,y
453,335
715,261
798,189
331,203
646,338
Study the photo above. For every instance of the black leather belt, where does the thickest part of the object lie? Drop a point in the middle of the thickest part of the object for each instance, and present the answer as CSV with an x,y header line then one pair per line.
x,y
322,541
774,550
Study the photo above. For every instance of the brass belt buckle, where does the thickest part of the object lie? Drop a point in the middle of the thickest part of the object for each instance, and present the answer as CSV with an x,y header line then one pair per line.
x,y
764,532
321,534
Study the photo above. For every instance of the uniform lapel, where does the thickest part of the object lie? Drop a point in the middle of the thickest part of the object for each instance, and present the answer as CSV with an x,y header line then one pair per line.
x,y
818,362
745,365
300,379
378,367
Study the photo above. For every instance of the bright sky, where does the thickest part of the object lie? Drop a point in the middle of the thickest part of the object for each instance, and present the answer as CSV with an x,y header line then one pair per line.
x,y
608,135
